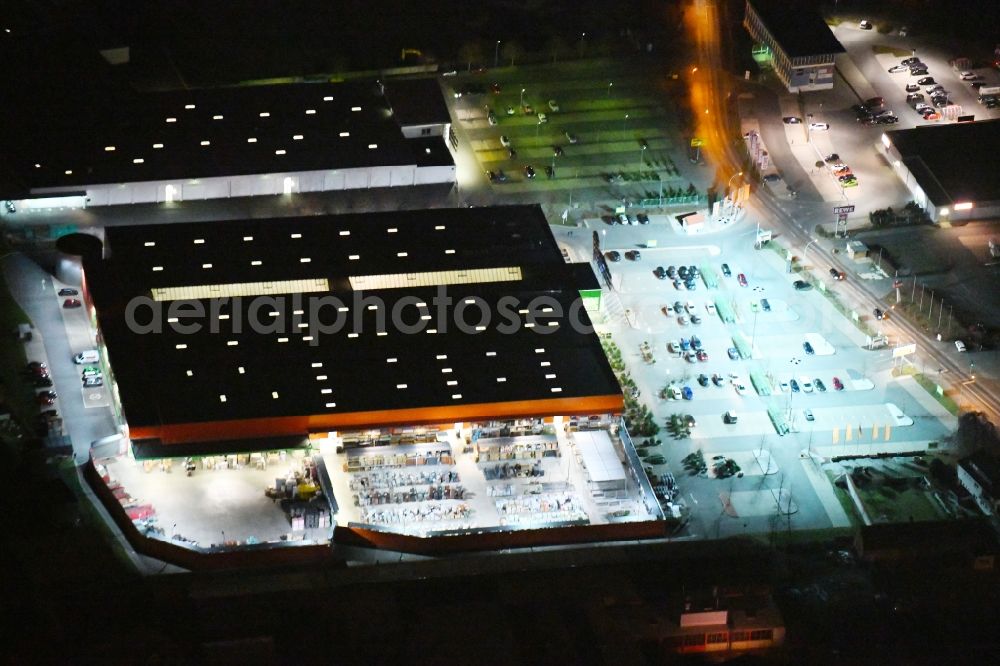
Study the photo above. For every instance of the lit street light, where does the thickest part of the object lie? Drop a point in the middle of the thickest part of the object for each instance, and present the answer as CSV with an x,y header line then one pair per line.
x,y
642,152
625,122
522,97
609,88
583,36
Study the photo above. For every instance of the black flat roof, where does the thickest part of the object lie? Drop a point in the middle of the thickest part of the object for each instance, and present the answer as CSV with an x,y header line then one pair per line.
x,y
798,27
417,101
175,378
953,162
139,137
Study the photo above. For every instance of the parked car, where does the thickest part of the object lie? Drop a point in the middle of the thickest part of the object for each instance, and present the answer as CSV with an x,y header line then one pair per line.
x,y
42,381
832,158
742,279
837,274
765,305
926,81
572,138
802,285
687,393
794,385
553,106
896,69
549,171
819,127
912,87
879,314
791,120
529,172
66,291
89,382
501,176
633,255
865,24
643,218
542,118
809,415
703,379
820,386
960,346
622,218
808,348
784,387
718,380
613,256
702,355
733,354
807,386
837,384
504,140
72,303
45,397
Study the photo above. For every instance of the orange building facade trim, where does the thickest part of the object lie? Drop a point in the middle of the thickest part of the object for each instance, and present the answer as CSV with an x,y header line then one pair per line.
x,y
175,433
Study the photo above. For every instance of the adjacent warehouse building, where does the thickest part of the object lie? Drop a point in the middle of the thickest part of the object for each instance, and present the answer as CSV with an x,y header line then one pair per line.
x,y
795,41
237,142
951,169
449,348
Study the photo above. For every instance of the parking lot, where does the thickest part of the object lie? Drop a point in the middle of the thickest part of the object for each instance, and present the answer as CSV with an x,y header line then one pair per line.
x,y
845,400
600,127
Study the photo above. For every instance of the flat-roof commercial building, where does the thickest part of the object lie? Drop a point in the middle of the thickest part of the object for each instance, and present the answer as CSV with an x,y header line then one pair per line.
x,y
456,342
951,169
795,41
237,142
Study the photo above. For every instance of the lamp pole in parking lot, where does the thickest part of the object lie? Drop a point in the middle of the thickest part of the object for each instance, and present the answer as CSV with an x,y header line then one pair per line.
x,y
522,98
609,88
583,36
496,55
624,123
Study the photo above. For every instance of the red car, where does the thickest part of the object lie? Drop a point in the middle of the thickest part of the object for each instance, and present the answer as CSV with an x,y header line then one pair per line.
x,y
742,279
72,303
702,356
837,384
45,397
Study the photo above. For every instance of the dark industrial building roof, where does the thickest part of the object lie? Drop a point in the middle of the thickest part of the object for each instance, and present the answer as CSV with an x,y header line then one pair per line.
x,y
416,101
798,27
953,162
194,134
316,269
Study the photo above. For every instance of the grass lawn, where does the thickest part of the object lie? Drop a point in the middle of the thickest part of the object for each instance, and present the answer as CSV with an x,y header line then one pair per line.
x,y
887,506
931,386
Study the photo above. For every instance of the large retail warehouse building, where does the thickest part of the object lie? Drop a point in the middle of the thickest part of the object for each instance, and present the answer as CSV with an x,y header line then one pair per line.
x,y
453,343
237,142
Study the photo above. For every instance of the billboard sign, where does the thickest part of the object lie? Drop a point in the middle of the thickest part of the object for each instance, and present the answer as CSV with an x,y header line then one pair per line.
x,y
904,350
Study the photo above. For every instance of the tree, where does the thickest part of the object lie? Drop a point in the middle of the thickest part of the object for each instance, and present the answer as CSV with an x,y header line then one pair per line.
x,y
511,50
471,52
557,48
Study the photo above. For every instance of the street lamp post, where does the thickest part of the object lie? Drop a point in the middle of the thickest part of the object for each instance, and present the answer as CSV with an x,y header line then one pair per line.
x,y
583,36
522,98
642,152
496,55
624,123
609,88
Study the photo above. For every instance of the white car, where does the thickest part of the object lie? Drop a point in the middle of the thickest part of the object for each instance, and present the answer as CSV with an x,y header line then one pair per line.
x,y
968,76
622,218
553,106
542,118
690,307
740,388
504,140
807,386
959,345
785,388
674,346
865,25
572,138
819,127
710,308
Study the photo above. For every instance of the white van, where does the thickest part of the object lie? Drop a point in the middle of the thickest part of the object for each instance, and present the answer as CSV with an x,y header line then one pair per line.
x,y
88,356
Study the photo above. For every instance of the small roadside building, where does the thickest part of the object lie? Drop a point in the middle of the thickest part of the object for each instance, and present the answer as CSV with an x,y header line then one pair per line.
x,y
794,40
980,475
